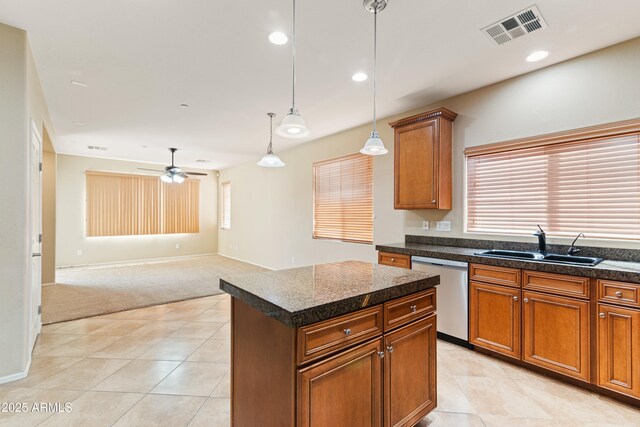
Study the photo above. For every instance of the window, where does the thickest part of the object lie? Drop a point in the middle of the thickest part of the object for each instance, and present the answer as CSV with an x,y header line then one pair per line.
x,y
577,185
343,199
127,205
225,223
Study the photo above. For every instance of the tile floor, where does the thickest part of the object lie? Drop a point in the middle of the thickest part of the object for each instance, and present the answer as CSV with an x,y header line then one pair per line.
x,y
168,365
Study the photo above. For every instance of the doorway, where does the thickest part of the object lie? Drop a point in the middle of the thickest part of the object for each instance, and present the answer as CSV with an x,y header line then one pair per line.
x,y
35,214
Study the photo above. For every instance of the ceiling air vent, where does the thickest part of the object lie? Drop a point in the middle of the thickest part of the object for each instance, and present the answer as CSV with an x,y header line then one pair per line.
x,y
203,161
95,147
518,25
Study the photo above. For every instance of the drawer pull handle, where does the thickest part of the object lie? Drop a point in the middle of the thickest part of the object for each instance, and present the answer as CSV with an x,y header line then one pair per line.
x,y
414,308
347,332
602,315
515,298
393,260
526,300
619,294
390,349
381,354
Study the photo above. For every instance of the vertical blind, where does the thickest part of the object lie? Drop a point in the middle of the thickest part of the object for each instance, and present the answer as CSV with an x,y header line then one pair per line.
x,y
225,223
343,199
126,205
587,186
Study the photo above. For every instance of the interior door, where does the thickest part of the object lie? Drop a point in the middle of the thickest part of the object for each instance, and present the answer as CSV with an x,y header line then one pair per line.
x,y
35,209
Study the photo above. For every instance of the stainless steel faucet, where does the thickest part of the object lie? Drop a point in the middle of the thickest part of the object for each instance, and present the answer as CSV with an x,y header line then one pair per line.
x,y
573,250
542,240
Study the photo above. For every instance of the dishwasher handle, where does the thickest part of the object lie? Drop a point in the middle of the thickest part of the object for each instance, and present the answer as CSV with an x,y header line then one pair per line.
x,y
439,262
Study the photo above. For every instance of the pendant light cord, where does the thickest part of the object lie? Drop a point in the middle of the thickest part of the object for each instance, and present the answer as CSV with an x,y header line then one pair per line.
x,y
375,50
270,147
293,46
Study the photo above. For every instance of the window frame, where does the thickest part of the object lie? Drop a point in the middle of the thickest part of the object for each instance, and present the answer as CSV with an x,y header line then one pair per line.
x,y
314,232
552,140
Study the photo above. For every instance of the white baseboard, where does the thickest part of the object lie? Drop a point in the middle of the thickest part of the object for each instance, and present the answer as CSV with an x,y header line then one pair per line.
x,y
133,261
19,375
245,261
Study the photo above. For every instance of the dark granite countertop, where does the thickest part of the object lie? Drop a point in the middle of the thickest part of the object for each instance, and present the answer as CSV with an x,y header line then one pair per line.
x,y
624,271
305,295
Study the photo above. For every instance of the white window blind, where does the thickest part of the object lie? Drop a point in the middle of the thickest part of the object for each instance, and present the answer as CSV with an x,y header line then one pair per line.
x,y
225,223
343,199
589,186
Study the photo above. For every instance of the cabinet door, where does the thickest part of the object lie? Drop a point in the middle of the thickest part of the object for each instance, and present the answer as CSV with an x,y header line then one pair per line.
x,y
343,391
410,373
556,333
494,318
416,165
619,349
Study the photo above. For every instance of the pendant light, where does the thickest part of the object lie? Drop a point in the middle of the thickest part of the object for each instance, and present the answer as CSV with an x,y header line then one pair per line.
x,y
293,125
271,160
374,145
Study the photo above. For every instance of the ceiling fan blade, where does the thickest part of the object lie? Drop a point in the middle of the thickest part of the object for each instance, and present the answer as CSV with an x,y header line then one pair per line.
x,y
152,170
196,173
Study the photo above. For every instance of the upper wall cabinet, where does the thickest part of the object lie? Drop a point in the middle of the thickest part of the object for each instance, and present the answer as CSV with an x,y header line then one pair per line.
x,y
422,168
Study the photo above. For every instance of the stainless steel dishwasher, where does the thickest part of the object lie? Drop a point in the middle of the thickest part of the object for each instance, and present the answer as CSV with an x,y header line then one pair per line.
x,y
452,300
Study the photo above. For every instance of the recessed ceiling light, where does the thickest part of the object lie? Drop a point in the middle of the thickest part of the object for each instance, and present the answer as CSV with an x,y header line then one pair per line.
x,y
144,146
77,83
184,105
359,77
72,142
78,123
537,56
278,38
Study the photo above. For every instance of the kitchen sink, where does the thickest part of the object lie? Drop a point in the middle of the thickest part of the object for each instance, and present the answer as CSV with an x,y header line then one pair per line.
x,y
536,256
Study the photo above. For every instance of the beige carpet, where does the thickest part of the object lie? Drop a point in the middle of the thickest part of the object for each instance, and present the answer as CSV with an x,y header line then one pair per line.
x,y
91,291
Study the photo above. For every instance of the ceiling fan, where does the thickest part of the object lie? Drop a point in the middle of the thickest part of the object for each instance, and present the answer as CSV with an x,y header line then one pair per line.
x,y
173,173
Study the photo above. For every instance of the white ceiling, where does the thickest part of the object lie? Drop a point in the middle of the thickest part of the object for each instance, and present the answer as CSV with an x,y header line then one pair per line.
x,y
141,59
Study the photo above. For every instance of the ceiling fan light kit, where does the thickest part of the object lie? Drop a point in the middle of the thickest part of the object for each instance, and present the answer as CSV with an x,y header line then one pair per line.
x,y
374,145
173,174
270,160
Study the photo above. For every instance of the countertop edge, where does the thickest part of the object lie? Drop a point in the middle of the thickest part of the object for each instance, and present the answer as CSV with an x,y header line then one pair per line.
x,y
597,272
328,310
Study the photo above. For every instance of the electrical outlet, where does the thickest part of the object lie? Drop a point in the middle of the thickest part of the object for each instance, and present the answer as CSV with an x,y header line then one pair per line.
x,y
79,252
425,225
293,260
237,247
177,245
443,225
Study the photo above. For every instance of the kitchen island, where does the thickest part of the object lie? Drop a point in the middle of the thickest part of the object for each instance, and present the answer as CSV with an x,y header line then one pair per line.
x,y
344,344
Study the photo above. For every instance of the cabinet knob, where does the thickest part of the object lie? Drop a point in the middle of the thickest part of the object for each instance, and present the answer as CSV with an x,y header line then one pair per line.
x,y
414,308
526,300
602,315
381,354
390,349
433,201
347,332
515,298
619,294
393,260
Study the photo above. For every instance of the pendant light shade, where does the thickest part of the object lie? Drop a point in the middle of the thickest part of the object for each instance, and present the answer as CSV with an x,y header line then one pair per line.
x,y
270,160
374,145
293,125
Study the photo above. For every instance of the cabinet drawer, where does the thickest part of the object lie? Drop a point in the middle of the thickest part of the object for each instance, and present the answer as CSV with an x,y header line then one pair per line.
x,y
619,293
496,275
405,310
394,260
560,284
332,335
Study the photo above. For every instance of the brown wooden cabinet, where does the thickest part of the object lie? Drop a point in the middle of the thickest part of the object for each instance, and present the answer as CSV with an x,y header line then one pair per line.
x,y
555,333
410,373
494,318
422,162
372,367
344,390
619,349
394,260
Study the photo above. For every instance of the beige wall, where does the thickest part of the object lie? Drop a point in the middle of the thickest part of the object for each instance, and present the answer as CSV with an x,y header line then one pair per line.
x,y
48,215
22,100
271,219
71,210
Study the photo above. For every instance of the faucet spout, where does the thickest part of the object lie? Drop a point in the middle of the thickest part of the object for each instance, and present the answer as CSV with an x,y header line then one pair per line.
x,y
542,240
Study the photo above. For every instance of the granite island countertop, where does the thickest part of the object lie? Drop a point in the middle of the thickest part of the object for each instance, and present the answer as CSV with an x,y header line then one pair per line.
x,y
624,271
305,295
